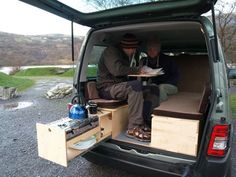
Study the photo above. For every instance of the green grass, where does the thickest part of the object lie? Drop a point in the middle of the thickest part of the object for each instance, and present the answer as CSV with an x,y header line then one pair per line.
x,y
51,71
69,73
19,83
48,71
92,71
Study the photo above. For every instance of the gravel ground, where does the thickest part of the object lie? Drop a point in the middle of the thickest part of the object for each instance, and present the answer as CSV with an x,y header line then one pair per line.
x,y
18,145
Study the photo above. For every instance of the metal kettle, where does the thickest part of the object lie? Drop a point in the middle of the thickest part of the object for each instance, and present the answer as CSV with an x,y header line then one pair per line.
x,y
78,109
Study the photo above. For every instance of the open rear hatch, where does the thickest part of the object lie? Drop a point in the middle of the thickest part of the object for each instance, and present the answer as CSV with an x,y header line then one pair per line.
x,y
114,14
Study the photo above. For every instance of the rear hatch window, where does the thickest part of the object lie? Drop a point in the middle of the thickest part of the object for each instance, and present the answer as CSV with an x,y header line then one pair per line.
x,y
90,6
95,14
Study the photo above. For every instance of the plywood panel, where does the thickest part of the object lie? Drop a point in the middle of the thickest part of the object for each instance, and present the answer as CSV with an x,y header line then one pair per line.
x,y
72,153
84,136
52,144
175,134
119,120
105,124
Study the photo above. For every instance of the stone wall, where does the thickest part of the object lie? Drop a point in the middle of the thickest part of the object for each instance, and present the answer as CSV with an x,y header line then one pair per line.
x,y
7,93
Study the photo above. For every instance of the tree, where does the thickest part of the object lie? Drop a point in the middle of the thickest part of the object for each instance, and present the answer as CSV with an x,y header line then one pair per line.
x,y
108,4
226,22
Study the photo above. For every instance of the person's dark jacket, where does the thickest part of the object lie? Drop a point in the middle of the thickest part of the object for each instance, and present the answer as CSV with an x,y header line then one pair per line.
x,y
171,73
113,67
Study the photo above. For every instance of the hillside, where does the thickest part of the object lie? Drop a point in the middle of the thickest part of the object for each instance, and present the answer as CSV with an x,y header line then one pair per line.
x,y
19,50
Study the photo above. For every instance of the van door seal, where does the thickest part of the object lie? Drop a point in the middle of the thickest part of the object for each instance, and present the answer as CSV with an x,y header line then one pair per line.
x,y
73,53
72,41
216,51
220,104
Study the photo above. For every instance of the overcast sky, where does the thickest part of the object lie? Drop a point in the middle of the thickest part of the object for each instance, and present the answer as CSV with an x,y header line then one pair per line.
x,y
20,18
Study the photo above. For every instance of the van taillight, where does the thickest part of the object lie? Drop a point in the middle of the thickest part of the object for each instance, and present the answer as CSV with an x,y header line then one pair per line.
x,y
219,140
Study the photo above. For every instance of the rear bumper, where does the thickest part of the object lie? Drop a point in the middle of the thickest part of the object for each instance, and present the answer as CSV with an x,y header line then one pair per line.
x,y
140,166
217,167
143,166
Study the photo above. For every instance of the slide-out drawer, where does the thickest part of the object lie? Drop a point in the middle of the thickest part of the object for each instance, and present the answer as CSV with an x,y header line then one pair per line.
x,y
54,144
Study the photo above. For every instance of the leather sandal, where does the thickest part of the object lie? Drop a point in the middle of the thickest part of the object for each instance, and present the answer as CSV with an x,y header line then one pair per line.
x,y
146,129
138,134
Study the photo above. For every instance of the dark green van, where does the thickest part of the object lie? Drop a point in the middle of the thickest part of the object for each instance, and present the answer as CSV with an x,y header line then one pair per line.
x,y
192,131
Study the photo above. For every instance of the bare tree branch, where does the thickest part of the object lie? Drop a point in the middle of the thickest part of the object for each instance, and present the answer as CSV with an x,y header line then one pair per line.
x,y
226,20
108,4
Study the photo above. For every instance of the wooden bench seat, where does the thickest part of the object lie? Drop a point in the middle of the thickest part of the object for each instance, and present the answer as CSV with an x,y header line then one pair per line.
x,y
92,95
182,105
180,116
188,105
194,89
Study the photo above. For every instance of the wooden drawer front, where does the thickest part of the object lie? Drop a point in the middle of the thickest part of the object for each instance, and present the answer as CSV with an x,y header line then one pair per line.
x,y
175,134
52,144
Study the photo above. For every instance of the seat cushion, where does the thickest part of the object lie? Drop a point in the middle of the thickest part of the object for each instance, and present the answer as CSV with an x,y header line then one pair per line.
x,y
181,105
92,95
92,90
108,103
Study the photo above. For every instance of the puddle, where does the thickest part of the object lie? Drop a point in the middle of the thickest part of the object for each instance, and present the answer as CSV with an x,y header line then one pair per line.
x,y
16,105
39,88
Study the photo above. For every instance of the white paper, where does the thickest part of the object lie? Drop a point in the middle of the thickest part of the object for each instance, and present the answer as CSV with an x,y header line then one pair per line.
x,y
148,70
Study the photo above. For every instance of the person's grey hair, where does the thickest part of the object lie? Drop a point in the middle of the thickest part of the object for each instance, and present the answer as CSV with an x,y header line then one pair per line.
x,y
154,43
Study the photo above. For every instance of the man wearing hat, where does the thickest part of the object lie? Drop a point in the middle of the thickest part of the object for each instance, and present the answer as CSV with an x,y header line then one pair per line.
x,y
112,83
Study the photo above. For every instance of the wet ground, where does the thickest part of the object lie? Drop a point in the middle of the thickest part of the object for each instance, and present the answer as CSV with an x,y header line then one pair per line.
x,y
15,105
18,145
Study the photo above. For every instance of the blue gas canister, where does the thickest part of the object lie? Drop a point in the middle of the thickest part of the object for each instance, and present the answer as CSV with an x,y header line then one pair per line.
x,y
77,112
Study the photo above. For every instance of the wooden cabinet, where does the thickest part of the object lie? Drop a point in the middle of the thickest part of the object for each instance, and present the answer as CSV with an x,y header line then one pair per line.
x,y
175,134
54,145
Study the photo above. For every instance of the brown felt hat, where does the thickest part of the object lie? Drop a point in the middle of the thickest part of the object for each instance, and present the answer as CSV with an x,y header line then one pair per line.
x,y
129,41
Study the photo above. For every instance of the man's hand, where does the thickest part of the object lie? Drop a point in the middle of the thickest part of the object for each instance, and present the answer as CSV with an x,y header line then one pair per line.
x,y
141,70
145,69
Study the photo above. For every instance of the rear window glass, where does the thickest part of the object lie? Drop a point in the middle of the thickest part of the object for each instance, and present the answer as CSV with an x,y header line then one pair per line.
x,y
93,60
89,6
